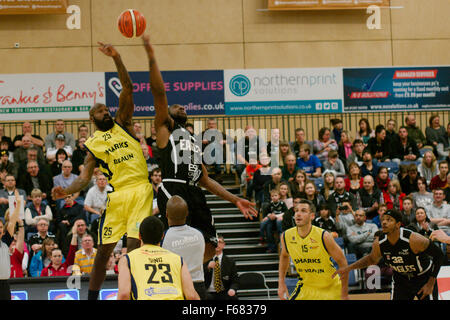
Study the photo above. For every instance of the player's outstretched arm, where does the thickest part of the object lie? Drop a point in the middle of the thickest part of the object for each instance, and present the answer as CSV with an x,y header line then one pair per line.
x,y
80,183
124,115
441,236
187,284
245,206
338,255
162,118
124,280
283,266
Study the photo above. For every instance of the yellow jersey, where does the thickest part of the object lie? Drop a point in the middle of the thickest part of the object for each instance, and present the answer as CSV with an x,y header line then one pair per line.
x,y
311,259
155,274
119,156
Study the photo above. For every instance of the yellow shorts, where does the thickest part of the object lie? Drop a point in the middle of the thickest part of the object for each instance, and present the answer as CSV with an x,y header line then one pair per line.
x,y
124,212
302,292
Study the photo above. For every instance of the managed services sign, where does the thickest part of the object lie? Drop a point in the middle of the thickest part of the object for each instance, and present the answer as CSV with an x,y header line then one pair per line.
x,y
50,95
283,91
396,89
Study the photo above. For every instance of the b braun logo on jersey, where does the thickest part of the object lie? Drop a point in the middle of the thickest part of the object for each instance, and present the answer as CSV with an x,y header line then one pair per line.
x,y
160,291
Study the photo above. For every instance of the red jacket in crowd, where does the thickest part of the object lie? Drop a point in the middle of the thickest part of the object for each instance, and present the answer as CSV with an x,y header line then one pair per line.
x,y
50,271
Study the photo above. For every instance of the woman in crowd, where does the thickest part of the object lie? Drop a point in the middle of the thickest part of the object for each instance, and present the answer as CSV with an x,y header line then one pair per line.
x,y
422,198
312,194
428,167
365,132
42,258
382,180
285,149
345,147
353,181
328,184
324,144
56,166
394,196
422,224
435,132
379,146
285,194
297,186
35,210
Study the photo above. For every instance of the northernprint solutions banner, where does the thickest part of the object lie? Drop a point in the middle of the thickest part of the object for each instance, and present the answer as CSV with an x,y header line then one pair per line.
x,y
396,89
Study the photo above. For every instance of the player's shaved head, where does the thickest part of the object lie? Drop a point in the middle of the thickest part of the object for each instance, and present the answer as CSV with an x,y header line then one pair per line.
x,y
176,210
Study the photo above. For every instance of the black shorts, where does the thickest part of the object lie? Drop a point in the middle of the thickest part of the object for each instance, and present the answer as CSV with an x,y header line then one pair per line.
x,y
404,288
199,217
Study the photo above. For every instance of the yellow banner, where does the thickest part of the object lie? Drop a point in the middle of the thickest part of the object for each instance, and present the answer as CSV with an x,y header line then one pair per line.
x,y
10,7
324,4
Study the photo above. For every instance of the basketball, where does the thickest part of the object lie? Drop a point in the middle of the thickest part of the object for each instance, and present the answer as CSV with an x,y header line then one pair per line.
x,y
131,23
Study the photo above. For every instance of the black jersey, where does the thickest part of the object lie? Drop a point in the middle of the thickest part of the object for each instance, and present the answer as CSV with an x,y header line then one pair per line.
x,y
401,258
181,159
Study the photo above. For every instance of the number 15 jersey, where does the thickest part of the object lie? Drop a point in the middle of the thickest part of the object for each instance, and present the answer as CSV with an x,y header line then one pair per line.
x,y
155,274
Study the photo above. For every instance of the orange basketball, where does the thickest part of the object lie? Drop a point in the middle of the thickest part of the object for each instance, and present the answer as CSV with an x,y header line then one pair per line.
x,y
131,23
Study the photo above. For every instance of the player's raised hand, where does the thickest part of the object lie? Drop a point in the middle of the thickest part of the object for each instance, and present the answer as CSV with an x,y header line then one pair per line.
x,y
58,193
108,49
147,45
247,208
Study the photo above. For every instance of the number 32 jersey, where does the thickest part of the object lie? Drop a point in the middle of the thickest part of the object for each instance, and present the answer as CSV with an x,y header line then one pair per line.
x,y
155,274
401,258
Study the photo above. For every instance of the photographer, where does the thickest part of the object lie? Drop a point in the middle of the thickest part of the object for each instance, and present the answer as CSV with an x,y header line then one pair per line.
x,y
340,198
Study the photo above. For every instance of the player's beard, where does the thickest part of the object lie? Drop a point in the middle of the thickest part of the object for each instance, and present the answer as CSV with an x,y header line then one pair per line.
x,y
179,119
105,124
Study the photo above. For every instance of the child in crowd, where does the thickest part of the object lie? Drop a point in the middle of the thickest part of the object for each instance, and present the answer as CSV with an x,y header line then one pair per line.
x,y
272,218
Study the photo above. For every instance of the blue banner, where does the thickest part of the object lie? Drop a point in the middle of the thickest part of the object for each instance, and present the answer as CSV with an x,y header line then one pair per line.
x,y
200,92
283,107
396,89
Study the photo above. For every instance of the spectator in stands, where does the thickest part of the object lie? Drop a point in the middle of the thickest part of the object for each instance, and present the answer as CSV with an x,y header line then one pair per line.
x,y
273,148
84,258
27,130
336,132
155,180
6,139
57,267
288,217
409,183
428,167
248,147
36,240
360,235
422,197
185,241
272,218
285,149
32,155
334,163
95,201
272,184
261,176
285,194
65,179
290,168
382,180
60,143
443,148
414,132
408,212
151,162
325,221
216,140
42,257
6,166
341,199
9,191
354,181
313,195
422,224
309,163
344,217
81,231
79,154
435,132
447,189
20,154
83,132
67,215
394,196
357,154
379,146
439,212
440,180
404,148
36,179
391,126
56,166
297,185
345,147
35,210
324,145
229,281
59,128
300,139
249,172
328,184
369,166
151,140
382,208
365,132
368,198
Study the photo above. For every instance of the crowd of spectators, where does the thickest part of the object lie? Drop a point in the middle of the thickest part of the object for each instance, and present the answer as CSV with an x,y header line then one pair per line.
x,y
351,182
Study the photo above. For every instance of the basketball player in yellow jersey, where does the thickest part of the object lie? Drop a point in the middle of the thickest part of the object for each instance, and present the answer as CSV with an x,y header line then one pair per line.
x,y
311,249
153,273
115,148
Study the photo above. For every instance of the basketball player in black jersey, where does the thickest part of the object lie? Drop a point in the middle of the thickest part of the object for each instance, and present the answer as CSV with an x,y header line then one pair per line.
x,y
182,176
415,260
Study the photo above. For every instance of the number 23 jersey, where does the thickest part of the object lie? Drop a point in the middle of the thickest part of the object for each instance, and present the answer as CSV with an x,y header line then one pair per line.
x,y
155,274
